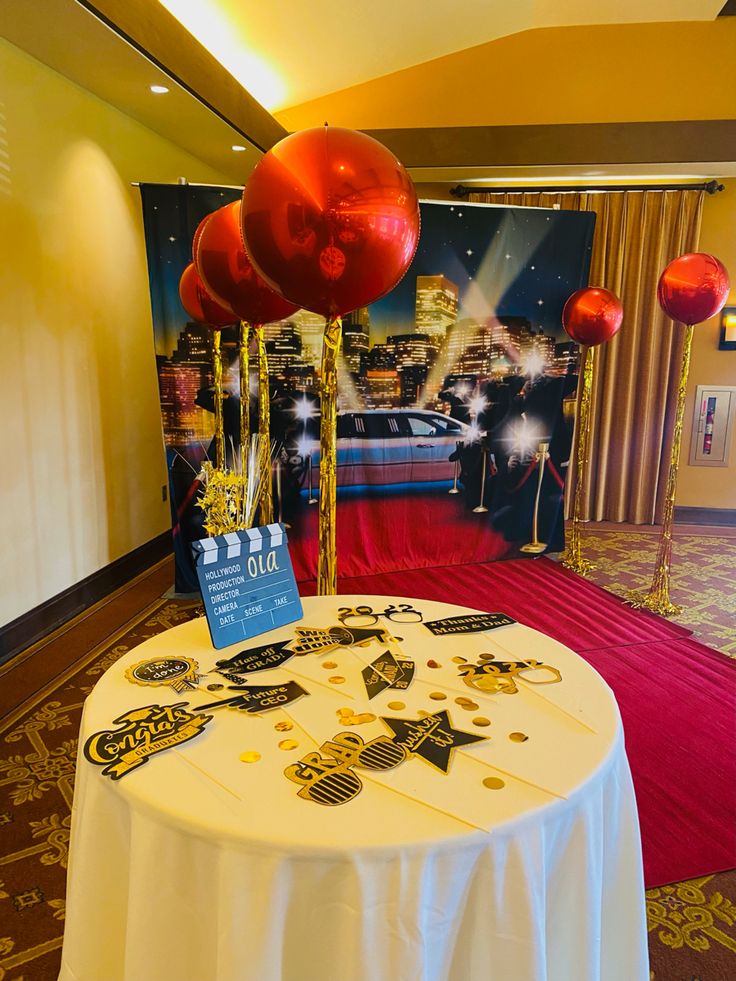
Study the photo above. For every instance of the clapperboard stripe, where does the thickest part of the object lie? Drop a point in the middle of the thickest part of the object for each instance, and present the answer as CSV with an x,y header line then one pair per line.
x,y
238,542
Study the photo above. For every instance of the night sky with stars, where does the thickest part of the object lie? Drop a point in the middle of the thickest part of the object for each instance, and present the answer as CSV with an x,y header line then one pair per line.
x,y
171,213
509,261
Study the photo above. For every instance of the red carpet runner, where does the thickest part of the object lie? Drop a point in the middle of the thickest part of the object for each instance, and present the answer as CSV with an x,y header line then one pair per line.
x,y
677,697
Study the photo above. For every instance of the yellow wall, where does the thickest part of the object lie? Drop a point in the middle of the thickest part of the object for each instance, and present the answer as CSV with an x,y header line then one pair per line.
x,y
83,462
713,487
608,73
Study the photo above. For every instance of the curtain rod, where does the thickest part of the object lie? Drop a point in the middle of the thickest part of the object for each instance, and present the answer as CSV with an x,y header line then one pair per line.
x,y
462,190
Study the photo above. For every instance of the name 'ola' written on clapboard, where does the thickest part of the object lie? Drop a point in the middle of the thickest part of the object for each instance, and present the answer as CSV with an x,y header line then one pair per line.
x,y
247,583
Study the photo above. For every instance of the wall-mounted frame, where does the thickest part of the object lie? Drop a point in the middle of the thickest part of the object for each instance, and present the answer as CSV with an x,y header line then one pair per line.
x,y
728,329
715,408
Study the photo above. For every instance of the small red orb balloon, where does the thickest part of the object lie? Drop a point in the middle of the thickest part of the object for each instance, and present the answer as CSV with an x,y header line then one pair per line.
x,y
228,273
693,288
592,315
199,304
330,219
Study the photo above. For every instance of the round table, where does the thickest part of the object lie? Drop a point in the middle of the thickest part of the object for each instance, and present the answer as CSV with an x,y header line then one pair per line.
x,y
521,862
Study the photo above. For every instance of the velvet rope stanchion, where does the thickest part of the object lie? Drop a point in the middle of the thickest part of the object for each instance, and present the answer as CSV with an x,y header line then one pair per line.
x,y
572,557
264,427
535,547
243,340
327,566
658,598
219,429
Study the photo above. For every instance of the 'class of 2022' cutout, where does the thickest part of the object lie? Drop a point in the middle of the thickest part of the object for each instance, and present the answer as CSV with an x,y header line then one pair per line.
x,y
494,677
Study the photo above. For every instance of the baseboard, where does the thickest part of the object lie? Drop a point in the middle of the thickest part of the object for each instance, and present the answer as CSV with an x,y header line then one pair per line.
x,y
32,626
726,517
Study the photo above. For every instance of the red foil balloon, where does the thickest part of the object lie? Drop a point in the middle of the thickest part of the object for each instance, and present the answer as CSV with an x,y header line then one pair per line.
x,y
330,219
693,288
198,235
228,274
199,304
592,315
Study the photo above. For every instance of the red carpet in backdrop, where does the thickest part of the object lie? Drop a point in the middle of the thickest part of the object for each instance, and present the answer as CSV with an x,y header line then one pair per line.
x,y
677,697
395,531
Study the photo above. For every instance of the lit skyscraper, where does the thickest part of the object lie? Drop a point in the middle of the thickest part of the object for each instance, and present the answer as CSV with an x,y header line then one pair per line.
x,y
312,328
436,307
284,349
356,328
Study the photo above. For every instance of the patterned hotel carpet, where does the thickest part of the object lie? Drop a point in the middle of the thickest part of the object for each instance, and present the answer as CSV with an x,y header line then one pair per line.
x,y
703,578
692,925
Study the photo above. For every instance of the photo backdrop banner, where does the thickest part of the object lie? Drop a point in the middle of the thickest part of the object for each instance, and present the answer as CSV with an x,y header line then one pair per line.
x,y
457,391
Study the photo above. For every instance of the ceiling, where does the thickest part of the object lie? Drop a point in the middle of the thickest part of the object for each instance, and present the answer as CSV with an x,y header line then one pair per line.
x,y
286,52
71,40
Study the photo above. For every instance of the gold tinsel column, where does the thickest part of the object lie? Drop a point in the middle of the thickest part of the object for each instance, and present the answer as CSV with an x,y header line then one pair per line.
x,y
244,396
327,565
264,428
219,430
573,556
658,598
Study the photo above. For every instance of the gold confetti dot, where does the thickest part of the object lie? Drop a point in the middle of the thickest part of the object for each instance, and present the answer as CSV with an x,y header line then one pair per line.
x,y
336,679
481,720
459,660
288,744
396,706
214,687
431,663
467,704
518,737
250,756
437,696
358,720
493,783
330,665
344,713
284,726
486,657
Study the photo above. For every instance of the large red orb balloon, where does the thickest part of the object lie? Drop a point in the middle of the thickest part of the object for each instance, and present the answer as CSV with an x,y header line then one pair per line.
x,y
228,274
198,235
199,304
693,288
592,315
330,219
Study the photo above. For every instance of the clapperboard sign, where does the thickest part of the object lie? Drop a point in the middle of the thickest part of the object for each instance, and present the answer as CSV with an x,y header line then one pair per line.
x,y
247,583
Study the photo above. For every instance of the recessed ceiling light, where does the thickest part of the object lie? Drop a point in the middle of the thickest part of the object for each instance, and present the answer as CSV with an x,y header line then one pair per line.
x,y
158,89
237,148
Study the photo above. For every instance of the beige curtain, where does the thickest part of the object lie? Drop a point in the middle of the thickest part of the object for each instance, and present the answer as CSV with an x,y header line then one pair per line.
x,y
635,382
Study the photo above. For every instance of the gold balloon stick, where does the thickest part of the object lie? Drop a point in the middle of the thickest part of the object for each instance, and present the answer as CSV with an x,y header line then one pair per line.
x,y
264,427
244,396
327,565
572,557
658,598
219,431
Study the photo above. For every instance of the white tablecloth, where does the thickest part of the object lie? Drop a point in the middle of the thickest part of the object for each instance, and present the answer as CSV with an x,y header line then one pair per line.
x,y
198,866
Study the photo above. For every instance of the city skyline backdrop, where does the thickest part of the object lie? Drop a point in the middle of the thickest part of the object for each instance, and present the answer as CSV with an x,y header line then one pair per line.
x,y
483,297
